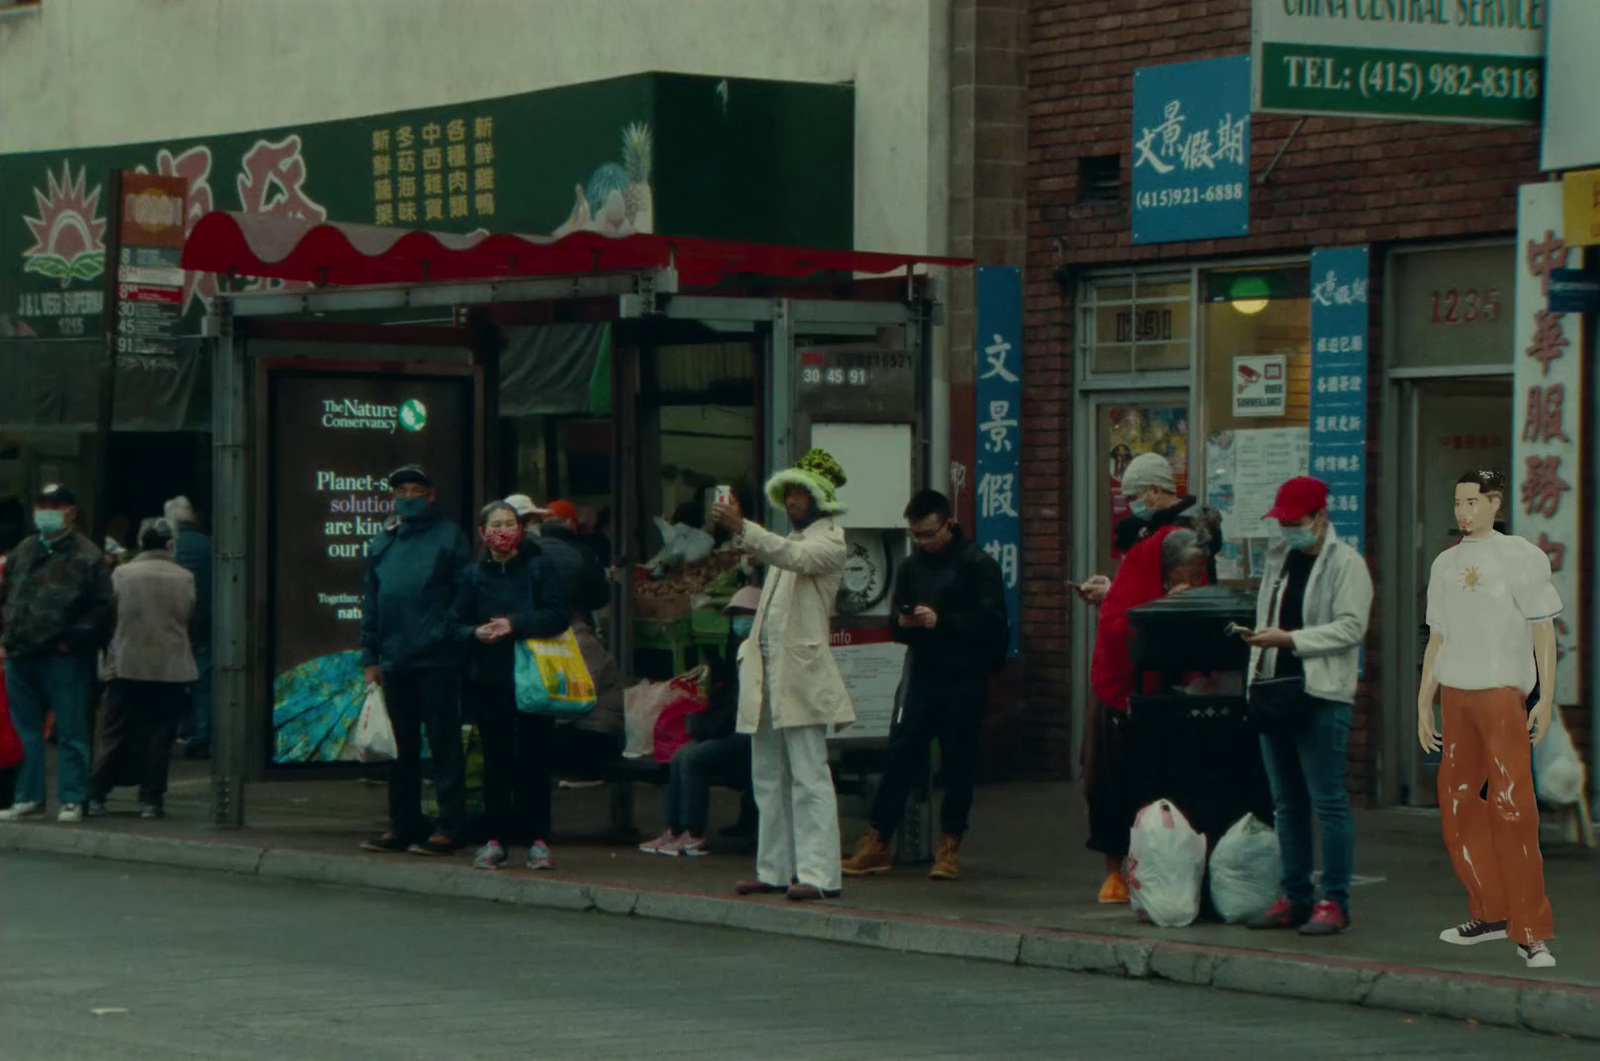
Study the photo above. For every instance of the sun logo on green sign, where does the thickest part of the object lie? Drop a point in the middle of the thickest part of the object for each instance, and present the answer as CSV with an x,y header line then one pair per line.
x,y
413,415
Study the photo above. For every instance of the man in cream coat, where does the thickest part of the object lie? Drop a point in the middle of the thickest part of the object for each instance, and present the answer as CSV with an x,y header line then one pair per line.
x,y
790,691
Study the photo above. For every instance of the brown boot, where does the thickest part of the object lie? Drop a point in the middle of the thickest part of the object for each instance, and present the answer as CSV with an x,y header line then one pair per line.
x,y
871,857
947,861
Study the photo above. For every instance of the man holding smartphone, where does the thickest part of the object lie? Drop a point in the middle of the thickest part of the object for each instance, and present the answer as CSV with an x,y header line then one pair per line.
x,y
950,608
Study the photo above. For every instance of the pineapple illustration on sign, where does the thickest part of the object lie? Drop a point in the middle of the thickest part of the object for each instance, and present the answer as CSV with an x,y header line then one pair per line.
x,y
617,201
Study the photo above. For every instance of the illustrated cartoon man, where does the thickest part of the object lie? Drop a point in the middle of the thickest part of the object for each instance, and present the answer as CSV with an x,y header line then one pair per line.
x,y
1491,616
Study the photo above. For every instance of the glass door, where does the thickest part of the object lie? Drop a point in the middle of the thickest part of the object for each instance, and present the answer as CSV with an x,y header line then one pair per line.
x,y
1114,427
1449,426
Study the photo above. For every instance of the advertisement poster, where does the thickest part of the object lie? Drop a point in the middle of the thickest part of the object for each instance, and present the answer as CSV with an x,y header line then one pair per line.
x,y
998,528
1142,429
1339,385
1263,460
1191,150
334,438
872,666
1546,478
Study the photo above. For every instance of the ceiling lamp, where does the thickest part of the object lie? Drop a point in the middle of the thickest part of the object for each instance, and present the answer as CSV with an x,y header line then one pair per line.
x,y
1249,294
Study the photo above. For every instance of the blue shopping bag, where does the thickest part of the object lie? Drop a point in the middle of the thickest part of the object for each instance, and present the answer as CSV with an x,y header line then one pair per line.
x,y
552,679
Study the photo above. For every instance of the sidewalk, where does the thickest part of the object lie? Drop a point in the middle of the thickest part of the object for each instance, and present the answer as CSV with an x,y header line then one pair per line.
x,y
1028,896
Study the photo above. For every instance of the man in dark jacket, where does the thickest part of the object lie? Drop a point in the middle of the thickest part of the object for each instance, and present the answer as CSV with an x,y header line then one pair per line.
x,y
56,608
950,609
587,585
193,554
408,646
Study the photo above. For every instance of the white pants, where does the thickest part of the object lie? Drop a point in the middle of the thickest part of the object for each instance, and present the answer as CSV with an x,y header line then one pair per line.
x,y
799,831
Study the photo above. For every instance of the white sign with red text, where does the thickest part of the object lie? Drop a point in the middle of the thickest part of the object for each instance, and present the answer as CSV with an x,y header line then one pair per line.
x,y
1546,476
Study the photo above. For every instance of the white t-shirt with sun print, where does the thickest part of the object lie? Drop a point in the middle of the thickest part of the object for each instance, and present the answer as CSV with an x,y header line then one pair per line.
x,y
1484,596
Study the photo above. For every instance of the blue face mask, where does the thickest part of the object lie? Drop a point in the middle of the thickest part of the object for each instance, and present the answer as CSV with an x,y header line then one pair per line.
x,y
742,625
1300,538
1138,508
49,520
410,507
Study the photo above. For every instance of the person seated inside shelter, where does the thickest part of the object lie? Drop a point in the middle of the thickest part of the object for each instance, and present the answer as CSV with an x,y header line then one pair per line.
x,y
717,753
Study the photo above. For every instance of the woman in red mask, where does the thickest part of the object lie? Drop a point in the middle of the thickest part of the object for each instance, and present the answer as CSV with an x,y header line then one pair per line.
x,y
512,593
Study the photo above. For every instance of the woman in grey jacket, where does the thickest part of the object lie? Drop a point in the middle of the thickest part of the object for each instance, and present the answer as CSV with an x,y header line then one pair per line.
x,y
152,666
1311,619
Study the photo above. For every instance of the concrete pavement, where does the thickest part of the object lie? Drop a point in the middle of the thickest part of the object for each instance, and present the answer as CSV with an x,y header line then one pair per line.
x,y
1028,898
107,962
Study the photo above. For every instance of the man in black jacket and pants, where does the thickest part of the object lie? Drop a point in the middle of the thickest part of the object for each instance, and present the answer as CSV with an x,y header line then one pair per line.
x,y
949,608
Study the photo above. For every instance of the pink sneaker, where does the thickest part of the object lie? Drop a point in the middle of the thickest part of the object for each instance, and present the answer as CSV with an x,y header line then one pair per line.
x,y
656,846
693,846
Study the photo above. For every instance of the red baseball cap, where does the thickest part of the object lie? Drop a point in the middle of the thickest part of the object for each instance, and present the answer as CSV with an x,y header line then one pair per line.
x,y
1298,498
561,510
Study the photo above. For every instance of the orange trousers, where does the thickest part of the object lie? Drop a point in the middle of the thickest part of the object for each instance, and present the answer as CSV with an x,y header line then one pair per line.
x,y
1493,845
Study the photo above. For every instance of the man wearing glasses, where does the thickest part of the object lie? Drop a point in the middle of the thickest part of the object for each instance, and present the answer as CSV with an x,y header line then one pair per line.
x,y
950,609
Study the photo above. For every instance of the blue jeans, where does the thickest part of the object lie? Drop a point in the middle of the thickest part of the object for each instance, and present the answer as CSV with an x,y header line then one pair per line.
x,y
1306,770
62,684
200,698
694,767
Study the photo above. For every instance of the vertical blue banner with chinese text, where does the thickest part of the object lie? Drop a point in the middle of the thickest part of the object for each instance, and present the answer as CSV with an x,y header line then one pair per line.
x,y
999,465
1339,385
1191,150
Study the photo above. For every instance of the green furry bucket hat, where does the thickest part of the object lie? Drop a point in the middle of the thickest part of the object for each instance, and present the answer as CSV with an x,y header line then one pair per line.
x,y
821,476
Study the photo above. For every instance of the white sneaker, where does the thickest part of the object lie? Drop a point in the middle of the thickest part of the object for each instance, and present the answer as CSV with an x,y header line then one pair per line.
x,y
1537,956
22,810
71,814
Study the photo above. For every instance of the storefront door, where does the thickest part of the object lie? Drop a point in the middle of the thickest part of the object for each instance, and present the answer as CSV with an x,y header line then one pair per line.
x,y
1114,428
1449,426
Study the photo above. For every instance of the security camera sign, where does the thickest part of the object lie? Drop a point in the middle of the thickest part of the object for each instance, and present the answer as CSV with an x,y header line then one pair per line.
x,y
1261,386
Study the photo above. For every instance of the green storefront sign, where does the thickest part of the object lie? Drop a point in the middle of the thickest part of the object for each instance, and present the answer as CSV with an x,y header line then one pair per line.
x,y
1442,60
759,161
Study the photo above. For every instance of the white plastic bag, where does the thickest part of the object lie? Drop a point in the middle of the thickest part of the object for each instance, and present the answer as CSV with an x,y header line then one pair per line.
x,y
1166,862
641,707
1246,866
1557,771
373,736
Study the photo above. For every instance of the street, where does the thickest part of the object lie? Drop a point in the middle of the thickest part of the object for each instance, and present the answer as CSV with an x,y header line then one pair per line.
x,y
100,960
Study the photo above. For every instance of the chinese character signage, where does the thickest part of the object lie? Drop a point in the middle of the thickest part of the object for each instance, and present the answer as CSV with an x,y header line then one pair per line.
x,y
999,465
148,285
1191,150
1462,61
1339,385
1546,475
650,153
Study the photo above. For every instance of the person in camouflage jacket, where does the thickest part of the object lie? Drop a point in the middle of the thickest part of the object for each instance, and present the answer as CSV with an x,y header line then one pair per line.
x,y
56,608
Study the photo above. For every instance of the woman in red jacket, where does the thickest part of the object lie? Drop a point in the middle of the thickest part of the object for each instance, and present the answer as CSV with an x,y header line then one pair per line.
x,y
1153,499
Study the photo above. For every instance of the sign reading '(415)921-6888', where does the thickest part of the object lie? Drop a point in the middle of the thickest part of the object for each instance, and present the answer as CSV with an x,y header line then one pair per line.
x,y
1446,60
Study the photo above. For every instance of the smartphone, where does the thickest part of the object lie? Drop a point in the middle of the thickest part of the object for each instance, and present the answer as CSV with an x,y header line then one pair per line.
x,y
908,610
723,496
1242,631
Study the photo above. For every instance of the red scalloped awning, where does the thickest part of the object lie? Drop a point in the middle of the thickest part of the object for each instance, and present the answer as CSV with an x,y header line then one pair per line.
x,y
289,249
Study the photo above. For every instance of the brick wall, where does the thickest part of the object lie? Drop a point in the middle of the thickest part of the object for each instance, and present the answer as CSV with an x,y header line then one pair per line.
x,y
1337,182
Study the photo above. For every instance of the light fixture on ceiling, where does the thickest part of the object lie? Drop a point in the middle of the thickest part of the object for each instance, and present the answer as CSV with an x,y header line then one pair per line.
x,y
1249,295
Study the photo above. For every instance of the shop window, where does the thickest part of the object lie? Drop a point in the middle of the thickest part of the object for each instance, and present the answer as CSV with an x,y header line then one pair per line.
x,y
1136,323
1452,308
1256,394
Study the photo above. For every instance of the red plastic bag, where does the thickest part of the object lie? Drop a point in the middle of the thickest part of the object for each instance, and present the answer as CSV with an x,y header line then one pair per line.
x,y
11,753
672,725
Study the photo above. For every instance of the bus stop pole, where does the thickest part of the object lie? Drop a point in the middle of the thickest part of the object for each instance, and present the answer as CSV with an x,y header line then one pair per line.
x,y
231,577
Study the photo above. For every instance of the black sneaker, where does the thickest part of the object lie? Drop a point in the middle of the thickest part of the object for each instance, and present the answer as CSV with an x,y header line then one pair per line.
x,y
95,808
1474,932
1537,956
388,843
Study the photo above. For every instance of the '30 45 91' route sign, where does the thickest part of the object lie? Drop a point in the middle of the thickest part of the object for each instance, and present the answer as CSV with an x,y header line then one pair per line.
x,y
1444,60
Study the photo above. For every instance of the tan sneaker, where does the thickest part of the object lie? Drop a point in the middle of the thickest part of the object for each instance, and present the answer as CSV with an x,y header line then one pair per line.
x,y
947,861
871,857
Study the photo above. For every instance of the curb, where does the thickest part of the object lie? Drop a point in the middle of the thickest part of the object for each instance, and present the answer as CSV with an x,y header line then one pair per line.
x,y
1559,1009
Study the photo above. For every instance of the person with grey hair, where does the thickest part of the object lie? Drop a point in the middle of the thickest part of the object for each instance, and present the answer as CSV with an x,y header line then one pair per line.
x,y
193,554
151,664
